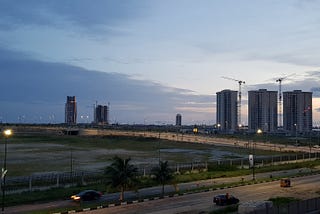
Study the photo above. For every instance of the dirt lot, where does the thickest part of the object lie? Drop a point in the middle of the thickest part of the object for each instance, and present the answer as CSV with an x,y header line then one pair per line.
x,y
29,154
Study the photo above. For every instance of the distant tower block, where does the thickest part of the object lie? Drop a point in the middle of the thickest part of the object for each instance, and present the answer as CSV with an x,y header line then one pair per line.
x,y
227,111
101,115
71,110
178,119
297,111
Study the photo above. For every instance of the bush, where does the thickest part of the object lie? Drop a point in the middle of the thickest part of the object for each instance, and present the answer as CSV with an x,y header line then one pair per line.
x,y
221,168
282,200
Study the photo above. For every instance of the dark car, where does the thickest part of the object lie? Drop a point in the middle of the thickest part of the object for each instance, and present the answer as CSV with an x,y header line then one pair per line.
x,y
87,195
225,199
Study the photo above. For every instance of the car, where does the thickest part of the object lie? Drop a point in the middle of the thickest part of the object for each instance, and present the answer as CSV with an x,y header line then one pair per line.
x,y
225,199
87,195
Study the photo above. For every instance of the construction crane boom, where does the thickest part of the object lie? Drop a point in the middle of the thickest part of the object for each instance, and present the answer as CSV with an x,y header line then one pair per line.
x,y
240,82
280,79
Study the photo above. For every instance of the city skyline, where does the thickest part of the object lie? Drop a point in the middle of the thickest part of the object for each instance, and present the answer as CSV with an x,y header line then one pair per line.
x,y
151,60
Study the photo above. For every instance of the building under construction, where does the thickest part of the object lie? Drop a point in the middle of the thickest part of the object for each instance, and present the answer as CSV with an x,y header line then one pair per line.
x,y
227,111
71,111
297,111
262,111
101,115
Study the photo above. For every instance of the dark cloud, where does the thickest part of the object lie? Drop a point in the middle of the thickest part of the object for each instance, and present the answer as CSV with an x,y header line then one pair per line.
x,y
32,87
313,74
315,89
307,84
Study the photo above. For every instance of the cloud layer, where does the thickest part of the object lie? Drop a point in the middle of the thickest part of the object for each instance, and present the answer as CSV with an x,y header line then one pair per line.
x,y
36,89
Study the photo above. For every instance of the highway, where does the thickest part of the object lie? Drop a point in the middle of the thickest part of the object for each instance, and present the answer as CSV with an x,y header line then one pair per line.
x,y
147,192
302,187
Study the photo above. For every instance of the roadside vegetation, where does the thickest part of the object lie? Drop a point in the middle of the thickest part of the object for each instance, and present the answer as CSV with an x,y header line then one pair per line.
x,y
276,139
278,201
162,174
121,174
65,193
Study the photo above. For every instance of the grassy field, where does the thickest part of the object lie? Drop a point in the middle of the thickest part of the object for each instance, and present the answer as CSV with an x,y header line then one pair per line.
x,y
38,154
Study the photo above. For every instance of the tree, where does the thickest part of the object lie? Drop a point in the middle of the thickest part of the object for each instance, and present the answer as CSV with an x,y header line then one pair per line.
x,y
121,174
163,174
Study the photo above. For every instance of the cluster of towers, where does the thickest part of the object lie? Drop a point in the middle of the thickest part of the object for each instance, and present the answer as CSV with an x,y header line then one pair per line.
x,y
263,111
264,114
101,112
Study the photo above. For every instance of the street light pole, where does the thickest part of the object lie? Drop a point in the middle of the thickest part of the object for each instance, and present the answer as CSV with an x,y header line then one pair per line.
x,y
253,162
7,134
159,151
259,132
295,127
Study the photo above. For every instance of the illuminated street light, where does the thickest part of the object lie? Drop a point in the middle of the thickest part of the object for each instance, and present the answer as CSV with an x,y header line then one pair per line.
x,y
219,126
296,130
251,157
195,130
7,133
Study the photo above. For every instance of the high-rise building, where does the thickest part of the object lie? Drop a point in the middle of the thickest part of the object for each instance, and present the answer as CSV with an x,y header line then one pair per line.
x,y
262,110
297,111
71,110
178,119
227,111
101,115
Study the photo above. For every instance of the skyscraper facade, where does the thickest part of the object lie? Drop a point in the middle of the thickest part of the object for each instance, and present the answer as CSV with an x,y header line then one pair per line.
x,y
297,111
101,115
178,119
262,110
71,110
227,108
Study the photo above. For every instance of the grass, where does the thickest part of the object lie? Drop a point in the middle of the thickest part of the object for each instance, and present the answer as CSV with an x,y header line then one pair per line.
x,y
25,153
278,201
47,195
228,209
276,139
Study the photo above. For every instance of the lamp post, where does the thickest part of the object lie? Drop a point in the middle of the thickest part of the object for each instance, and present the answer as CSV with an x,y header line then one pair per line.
x,y
159,150
295,127
259,132
7,133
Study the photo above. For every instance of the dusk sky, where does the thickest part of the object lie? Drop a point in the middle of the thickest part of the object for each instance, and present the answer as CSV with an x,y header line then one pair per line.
x,y
151,59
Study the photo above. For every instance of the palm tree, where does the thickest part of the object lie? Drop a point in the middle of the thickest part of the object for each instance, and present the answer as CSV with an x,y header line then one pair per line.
x,y
121,174
162,173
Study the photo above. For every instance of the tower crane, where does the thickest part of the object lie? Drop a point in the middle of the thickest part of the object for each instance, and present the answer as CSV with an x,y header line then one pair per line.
x,y
280,79
240,82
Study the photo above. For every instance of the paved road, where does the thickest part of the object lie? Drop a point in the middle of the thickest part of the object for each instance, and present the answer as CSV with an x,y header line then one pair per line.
x,y
142,193
302,187
202,139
